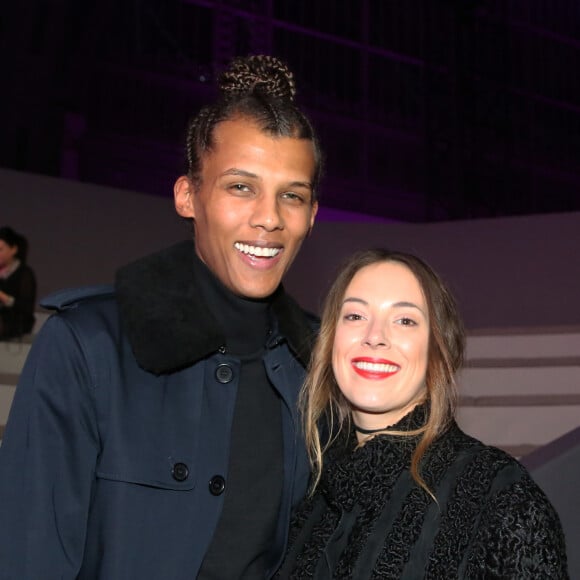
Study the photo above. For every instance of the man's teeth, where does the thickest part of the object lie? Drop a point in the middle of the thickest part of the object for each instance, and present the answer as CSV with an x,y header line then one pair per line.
x,y
257,251
376,367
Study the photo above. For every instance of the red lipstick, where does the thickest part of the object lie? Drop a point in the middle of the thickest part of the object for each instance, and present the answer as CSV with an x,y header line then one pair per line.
x,y
376,369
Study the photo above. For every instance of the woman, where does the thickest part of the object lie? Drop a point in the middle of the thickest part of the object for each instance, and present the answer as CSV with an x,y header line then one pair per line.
x,y
17,286
399,491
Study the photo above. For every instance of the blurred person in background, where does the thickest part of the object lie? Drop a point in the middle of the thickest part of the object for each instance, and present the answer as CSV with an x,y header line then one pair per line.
x,y
17,286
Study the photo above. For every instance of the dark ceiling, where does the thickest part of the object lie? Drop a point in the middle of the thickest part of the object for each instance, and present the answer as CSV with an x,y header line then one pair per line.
x,y
427,109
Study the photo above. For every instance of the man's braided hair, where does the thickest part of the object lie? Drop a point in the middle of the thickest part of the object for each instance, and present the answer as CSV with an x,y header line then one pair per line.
x,y
261,89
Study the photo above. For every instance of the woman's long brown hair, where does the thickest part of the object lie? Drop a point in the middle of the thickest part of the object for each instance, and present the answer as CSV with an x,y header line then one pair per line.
x,y
322,402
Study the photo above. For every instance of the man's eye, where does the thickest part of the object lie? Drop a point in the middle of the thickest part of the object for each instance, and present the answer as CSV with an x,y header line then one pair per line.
x,y
240,187
292,196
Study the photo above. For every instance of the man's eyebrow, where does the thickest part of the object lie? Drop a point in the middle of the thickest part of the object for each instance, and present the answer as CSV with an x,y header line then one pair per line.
x,y
240,173
248,174
304,184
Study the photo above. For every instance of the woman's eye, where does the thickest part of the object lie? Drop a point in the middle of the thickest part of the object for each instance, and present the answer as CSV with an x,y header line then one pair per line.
x,y
353,317
406,321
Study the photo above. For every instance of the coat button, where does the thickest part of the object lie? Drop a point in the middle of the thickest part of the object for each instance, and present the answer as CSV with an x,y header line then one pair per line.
x,y
180,472
224,373
217,485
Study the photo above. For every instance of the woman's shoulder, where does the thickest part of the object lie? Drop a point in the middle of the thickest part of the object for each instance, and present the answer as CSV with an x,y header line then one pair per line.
x,y
502,474
480,465
470,444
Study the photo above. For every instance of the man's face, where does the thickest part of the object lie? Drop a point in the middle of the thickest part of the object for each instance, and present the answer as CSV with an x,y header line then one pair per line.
x,y
253,207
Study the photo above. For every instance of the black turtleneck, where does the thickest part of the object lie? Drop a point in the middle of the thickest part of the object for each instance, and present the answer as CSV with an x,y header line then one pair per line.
x,y
239,547
244,321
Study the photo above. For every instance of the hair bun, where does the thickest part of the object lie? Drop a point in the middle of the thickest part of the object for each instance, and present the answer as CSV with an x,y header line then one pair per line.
x,y
261,74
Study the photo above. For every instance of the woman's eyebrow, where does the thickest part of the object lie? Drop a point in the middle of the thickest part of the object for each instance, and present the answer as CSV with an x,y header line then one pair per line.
x,y
354,299
406,304
400,304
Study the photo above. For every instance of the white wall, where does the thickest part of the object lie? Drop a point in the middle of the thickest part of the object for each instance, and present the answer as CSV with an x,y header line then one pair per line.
x,y
508,272
80,233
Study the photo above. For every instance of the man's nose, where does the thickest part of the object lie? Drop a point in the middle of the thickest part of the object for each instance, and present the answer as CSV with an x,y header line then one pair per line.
x,y
267,213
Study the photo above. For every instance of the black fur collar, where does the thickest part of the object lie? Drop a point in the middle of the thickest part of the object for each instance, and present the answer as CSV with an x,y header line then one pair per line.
x,y
168,326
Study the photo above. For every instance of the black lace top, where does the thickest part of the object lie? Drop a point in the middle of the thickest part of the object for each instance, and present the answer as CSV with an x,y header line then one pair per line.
x,y
369,519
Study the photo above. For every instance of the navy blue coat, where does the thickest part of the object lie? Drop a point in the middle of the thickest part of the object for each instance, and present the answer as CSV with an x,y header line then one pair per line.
x,y
120,424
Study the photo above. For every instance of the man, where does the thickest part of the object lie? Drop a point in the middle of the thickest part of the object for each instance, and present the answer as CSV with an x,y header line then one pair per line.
x,y
154,432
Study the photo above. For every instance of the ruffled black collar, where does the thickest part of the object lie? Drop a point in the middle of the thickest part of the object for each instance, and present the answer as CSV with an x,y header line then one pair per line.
x,y
356,474
169,326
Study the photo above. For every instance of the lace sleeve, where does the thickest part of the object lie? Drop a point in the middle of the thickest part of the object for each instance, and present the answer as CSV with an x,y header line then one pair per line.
x,y
520,536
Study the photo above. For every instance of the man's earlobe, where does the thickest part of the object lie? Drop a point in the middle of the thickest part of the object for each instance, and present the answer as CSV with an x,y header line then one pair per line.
x,y
313,217
182,197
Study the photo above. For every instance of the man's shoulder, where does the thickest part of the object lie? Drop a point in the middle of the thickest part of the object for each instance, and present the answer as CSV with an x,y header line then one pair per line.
x,y
71,298
86,317
312,319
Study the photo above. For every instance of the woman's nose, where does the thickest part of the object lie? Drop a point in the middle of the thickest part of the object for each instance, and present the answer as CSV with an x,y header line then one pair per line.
x,y
376,336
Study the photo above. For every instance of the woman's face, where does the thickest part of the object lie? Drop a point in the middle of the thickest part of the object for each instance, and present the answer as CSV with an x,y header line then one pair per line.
x,y
7,253
380,348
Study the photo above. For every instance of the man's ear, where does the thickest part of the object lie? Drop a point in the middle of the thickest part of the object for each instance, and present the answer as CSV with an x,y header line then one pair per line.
x,y
313,216
183,197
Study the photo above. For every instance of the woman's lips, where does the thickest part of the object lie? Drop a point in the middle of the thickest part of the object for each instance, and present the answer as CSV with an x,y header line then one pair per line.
x,y
374,369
